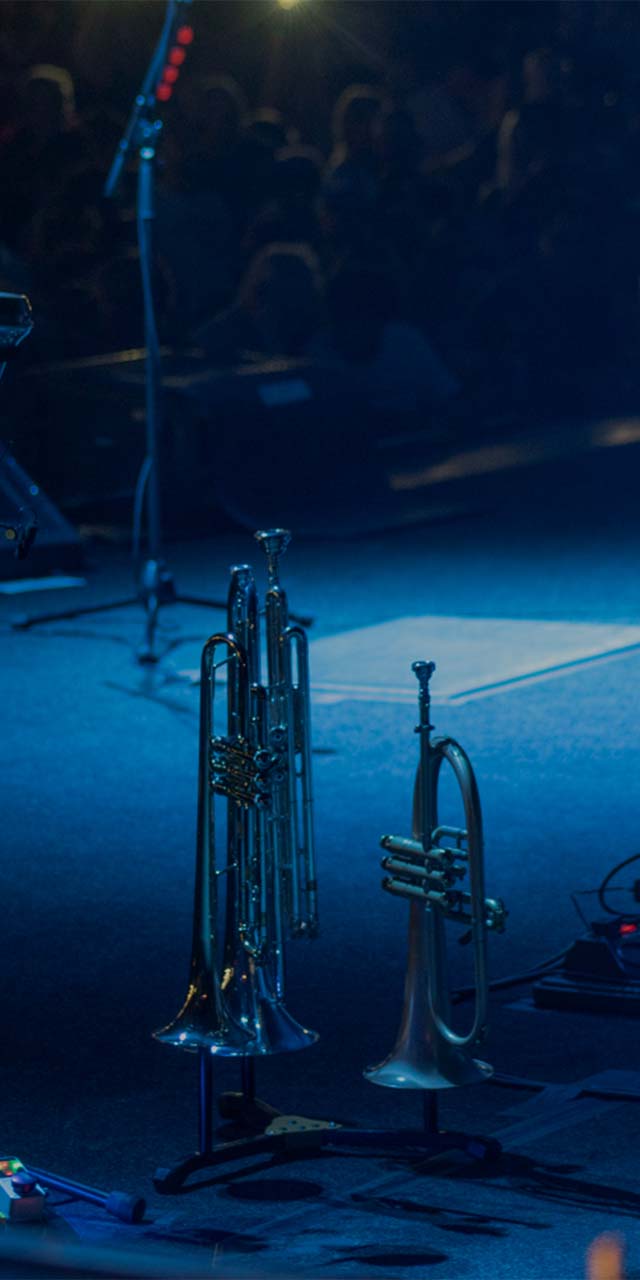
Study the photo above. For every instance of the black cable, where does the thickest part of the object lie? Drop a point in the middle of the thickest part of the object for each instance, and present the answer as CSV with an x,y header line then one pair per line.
x,y
514,980
555,962
601,891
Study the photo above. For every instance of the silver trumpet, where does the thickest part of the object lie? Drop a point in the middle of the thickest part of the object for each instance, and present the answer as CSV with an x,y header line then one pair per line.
x,y
260,761
428,869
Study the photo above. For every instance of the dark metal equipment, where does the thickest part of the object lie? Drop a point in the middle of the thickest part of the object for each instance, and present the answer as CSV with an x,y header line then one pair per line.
x,y
259,761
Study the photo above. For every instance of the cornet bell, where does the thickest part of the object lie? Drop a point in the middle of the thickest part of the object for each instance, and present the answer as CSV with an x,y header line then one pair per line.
x,y
422,1058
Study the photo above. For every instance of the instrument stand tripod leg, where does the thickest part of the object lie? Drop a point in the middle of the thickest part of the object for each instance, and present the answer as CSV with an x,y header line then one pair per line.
x,y
169,1181
438,1140
425,1143
244,1109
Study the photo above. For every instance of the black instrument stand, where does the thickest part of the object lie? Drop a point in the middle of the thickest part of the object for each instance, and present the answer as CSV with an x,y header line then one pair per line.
x,y
298,1136
155,584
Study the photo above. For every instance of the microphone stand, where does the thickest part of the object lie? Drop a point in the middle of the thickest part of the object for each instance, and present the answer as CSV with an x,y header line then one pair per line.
x,y
154,580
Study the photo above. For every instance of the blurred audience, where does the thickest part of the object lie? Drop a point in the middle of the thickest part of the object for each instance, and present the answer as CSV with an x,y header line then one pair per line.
x,y
474,220
292,213
44,145
276,313
391,361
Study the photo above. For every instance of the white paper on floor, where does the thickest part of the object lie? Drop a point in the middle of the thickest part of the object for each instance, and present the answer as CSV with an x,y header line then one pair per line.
x,y
474,657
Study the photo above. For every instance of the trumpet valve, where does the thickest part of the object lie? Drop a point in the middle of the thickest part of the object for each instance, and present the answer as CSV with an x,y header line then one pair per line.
x,y
278,737
263,760
242,775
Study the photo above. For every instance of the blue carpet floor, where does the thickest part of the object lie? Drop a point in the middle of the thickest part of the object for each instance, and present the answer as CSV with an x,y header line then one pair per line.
x,y
98,774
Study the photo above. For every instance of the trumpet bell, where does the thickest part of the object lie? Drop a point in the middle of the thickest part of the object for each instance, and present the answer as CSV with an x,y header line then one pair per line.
x,y
203,1023
254,1004
250,1020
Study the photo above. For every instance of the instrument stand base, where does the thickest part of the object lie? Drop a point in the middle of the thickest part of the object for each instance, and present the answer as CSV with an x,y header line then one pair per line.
x,y
300,1137
246,1113
296,1137
156,588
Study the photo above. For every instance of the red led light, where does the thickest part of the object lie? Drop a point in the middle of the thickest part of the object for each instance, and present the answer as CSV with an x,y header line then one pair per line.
x,y
177,56
170,75
163,92
628,928
184,35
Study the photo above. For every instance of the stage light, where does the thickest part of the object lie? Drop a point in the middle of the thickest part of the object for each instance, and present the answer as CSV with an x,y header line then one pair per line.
x,y
288,4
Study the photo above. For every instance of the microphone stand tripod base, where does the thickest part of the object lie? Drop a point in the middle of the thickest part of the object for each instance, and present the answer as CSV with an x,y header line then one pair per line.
x,y
157,588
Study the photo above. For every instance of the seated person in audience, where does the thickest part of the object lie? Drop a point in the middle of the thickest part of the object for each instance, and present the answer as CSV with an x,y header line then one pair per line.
x,y
268,126
354,164
276,313
42,151
211,152
292,213
392,361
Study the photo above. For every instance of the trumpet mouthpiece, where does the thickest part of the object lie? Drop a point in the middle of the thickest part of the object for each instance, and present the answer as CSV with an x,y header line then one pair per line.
x,y
274,542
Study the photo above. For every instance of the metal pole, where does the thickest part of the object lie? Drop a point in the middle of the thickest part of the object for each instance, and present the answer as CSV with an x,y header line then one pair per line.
x,y
205,1110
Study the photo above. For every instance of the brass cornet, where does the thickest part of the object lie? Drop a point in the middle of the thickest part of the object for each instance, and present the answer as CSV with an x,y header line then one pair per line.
x,y
260,760
428,869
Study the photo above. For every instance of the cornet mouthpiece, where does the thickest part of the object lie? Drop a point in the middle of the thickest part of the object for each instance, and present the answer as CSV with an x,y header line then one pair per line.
x,y
423,671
